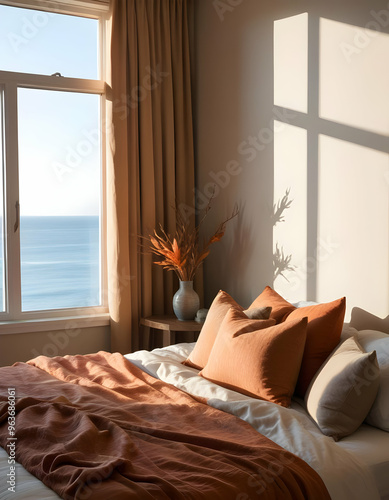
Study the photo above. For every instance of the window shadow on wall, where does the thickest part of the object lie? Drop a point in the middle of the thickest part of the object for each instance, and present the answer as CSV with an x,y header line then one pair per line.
x,y
332,79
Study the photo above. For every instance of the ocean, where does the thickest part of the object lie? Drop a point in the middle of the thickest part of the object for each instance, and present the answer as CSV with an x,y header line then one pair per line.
x,y
59,262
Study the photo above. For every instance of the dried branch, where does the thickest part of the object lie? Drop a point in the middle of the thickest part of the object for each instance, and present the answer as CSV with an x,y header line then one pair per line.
x,y
183,253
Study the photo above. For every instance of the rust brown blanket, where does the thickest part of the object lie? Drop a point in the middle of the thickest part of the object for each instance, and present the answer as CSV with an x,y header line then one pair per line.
x,y
98,427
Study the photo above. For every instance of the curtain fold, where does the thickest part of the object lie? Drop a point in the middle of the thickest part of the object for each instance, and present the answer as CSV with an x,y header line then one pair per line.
x,y
152,163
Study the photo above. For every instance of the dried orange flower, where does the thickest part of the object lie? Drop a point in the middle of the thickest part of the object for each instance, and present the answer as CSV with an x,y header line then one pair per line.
x,y
183,253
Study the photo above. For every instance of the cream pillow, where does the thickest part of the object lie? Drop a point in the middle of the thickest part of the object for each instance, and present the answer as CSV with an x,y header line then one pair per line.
x,y
343,391
372,340
258,312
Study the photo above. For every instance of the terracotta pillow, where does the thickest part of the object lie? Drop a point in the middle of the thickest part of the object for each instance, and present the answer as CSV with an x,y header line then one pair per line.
x,y
343,391
220,306
280,307
260,362
325,323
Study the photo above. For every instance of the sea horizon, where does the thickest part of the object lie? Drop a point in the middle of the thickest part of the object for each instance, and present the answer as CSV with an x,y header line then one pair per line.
x,y
60,261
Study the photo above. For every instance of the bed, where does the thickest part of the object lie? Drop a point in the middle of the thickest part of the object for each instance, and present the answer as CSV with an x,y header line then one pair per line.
x,y
355,466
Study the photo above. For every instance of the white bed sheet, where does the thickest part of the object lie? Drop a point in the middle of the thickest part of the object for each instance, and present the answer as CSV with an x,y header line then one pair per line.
x,y
371,446
346,469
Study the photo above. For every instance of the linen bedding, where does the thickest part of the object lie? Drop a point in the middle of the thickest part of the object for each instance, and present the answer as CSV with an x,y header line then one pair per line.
x,y
97,426
355,467
352,468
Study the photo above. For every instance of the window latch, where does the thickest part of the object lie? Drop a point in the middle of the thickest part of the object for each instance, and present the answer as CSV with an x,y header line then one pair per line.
x,y
56,74
17,209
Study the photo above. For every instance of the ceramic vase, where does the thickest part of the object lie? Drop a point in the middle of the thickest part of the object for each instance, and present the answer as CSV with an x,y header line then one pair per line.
x,y
186,302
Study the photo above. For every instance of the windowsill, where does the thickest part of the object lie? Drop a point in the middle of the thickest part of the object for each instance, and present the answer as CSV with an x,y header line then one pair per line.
x,y
53,324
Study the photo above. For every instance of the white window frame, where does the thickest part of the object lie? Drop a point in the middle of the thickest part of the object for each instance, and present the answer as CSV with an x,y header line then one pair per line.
x,y
14,320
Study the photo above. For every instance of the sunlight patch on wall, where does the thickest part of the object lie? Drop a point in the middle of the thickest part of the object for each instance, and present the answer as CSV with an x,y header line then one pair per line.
x,y
353,222
290,205
354,77
291,62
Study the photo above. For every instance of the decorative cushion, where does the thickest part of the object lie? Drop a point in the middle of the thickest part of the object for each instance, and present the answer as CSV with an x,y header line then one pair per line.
x,y
372,340
258,313
219,308
347,332
280,307
260,362
304,303
343,391
325,323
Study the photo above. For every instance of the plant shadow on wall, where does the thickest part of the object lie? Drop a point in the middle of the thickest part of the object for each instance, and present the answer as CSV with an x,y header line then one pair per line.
x,y
281,262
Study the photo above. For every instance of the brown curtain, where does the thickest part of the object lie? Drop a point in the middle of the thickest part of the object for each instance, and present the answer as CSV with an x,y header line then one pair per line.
x,y
152,164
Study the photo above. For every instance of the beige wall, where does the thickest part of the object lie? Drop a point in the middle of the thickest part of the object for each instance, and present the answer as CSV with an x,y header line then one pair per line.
x,y
333,156
25,346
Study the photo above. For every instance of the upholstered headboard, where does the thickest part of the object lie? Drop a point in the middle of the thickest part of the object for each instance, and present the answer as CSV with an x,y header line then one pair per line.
x,y
363,320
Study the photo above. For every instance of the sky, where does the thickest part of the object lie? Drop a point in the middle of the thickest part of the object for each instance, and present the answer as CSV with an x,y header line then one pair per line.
x,y
59,147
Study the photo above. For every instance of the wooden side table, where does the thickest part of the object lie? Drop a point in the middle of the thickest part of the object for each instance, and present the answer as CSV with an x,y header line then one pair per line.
x,y
170,325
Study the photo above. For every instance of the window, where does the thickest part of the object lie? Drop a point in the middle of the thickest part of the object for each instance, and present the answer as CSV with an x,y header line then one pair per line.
x,y
44,43
51,155
1,204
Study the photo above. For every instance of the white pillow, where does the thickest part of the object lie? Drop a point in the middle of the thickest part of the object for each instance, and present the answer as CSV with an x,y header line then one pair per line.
x,y
304,303
372,340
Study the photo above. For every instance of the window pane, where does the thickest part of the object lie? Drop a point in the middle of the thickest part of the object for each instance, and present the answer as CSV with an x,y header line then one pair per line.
x,y
2,287
291,62
290,235
59,182
354,225
33,41
354,79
